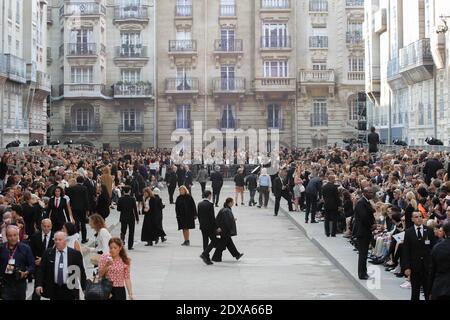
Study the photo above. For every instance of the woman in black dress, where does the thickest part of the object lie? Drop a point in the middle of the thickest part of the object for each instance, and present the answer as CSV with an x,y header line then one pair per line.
x,y
152,226
103,202
186,212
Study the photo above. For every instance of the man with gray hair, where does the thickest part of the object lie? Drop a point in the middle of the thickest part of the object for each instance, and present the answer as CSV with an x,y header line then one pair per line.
x,y
61,271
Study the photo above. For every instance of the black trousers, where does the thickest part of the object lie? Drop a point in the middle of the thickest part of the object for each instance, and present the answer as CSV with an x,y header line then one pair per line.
x,y
222,244
311,207
419,279
363,249
203,185
331,218
252,197
123,231
209,242
263,196
118,293
216,194
64,294
302,201
286,196
14,290
171,190
80,221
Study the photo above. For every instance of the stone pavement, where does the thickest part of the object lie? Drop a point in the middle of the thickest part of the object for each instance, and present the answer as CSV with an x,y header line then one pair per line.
x,y
383,286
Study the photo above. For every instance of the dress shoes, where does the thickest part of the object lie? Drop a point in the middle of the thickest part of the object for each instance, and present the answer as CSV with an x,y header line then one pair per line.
x,y
187,243
364,277
206,260
239,256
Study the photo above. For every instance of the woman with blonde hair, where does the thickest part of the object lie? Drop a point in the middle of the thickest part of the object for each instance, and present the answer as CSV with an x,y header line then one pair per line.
x,y
107,179
411,206
186,212
102,237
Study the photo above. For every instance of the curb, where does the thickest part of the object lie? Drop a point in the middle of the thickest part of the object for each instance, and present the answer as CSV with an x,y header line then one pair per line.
x,y
364,290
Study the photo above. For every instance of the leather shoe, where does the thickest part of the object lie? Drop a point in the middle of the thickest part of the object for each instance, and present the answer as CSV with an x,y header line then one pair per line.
x,y
239,256
216,260
365,277
206,260
85,241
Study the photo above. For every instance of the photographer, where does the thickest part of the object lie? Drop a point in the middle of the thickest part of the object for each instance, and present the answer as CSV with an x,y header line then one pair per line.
x,y
16,264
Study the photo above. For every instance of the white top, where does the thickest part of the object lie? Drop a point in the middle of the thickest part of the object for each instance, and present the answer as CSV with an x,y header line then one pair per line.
x,y
72,239
102,241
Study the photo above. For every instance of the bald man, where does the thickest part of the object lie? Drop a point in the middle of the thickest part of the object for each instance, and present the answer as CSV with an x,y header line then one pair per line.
x,y
60,272
16,264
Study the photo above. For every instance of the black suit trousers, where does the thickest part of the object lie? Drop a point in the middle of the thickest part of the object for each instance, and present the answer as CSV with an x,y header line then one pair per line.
x,y
225,242
286,196
171,190
130,224
216,194
203,185
363,249
331,218
207,244
80,222
419,279
311,207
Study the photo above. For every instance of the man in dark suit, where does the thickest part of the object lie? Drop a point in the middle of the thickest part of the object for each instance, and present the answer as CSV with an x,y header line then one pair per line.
x,y
208,226
312,192
216,184
365,224
432,166
330,194
416,256
128,216
59,210
181,174
40,241
171,180
91,186
61,272
281,189
440,268
373,139
79,202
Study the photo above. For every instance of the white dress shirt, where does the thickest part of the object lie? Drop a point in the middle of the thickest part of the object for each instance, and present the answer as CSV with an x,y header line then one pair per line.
x,y
48,239
417,231
57,257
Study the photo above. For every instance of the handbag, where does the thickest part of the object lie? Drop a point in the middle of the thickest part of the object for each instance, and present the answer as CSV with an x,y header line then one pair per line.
x,y
98,289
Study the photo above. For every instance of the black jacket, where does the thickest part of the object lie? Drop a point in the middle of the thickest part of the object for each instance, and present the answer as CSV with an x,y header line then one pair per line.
x,y
417,254
225,221
3,170
60,215
45,276
79,199
206,216
37,246
440,270
239,180
251,181
314,186
128,209
278,186
364,219
373,139
186,212
432,166
171,179
331,198
92,193
216,180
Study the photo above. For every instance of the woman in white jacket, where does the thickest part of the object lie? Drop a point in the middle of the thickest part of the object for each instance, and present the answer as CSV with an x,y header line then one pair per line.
x,y
102,237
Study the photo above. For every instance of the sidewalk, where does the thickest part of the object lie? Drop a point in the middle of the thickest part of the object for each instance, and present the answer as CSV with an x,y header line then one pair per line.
x,y
384,286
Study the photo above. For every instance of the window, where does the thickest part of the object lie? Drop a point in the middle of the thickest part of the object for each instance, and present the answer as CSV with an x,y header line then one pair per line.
x,y
131,44
275,69
82,118
131,120
228,118
228,8
319,116
275,35
356,108
318,5
274,116
420,111
227,74
356,64
319,38
183,120
354,31
183,80
184,8
81,75
319,65
277,4
227,42
81,36
131,75
18,11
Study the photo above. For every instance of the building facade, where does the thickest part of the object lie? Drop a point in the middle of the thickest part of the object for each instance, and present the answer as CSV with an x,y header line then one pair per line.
x,y
24,81
102,61
296,66
408,68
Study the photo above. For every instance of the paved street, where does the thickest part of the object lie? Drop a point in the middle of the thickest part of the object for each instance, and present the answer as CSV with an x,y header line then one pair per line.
x,y
279,263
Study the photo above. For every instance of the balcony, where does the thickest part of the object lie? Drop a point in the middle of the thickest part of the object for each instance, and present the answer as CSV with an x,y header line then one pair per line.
x,y
227,10
136,55
226,49
31,72
84,52
131,14
43,82
275,85
49,16
82,9
13,67
318,42
131,129
354,3
182,85
229,88
183,49
276,43
88,90
394,78
74,129
356,76
313,79
133,90
319,120
183,11
354,39
275,5
416,62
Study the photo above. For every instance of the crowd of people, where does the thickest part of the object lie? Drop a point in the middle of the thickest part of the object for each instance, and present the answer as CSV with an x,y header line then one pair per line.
x,y
393,206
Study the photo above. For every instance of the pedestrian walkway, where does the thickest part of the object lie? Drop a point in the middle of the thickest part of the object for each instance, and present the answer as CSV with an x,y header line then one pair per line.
x,y
383,286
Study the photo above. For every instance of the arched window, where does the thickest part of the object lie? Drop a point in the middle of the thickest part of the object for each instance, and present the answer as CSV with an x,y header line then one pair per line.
x,y
82,118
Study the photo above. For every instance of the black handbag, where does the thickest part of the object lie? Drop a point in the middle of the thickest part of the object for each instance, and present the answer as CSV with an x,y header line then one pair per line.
x,y
98,289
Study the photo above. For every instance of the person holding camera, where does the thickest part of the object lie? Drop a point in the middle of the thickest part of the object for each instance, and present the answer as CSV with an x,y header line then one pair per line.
x,y
16,264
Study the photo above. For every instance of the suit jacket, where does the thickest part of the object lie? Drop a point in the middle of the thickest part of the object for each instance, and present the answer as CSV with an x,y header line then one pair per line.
x,y
314,186
92,192
432,166
331,198
277,186
79,200
45,276
416,254
373,139
440,270
128,209
364,218
171,179
206,216
216,180
60,215
36,245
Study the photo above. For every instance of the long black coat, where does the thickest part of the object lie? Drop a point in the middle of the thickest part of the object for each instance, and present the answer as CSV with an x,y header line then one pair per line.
x,y
331,198
152,226
440,270
216,180
186,212
364,219
226,222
